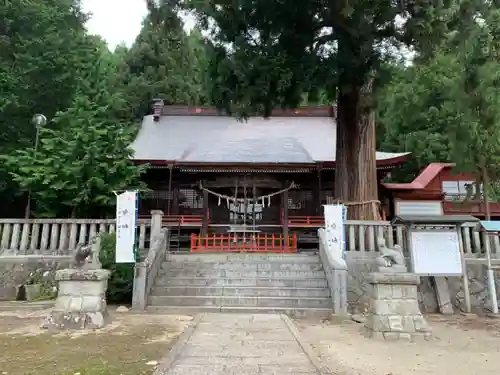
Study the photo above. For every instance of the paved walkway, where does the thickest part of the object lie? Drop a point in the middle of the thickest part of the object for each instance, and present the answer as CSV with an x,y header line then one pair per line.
x,y
243,344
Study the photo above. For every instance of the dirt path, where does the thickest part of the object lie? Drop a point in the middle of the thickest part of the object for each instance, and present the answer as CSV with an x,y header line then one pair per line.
x,y
460,346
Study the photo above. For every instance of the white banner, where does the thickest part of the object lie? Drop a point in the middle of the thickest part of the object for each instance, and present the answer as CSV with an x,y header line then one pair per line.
x,y
335,215
126,222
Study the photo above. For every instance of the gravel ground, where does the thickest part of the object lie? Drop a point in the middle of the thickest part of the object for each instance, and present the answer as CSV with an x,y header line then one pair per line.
x,y
461,345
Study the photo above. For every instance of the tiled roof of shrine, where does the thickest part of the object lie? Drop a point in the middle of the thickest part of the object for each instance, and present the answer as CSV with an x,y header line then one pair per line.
x,y
222,139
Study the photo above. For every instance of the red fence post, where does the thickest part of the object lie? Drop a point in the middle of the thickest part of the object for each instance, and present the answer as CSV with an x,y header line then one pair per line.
x,y
193,242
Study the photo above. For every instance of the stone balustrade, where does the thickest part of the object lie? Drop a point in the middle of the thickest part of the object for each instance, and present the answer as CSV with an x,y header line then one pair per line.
x,y
57,236
61,236
361,236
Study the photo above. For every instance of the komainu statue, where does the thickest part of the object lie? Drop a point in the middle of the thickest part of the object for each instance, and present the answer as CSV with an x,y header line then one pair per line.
x,y
390,259
87,256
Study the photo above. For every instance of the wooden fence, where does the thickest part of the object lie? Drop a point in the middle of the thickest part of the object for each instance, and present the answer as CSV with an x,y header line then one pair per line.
x,y
61,236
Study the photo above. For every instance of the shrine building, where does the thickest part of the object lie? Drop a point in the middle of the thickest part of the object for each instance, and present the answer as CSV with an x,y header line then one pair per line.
x,y
261,181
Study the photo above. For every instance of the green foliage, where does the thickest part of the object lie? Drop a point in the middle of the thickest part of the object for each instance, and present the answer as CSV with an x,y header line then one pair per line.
x,y
447,108
164,63
121,281
411,114
83,160
43,49
269,53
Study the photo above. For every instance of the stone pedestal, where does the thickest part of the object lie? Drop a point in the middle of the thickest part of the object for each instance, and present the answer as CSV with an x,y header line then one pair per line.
x,y
394,313
81,300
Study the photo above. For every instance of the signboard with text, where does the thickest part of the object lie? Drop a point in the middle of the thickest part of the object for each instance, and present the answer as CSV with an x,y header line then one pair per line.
x,y
335,215
126,224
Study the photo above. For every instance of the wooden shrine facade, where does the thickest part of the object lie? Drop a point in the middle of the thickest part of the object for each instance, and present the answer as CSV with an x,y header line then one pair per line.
x,y
286,199
210,173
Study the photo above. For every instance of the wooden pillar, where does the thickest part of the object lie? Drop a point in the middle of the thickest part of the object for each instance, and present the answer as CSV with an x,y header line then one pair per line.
x,y
318,193
284,205
169,194
205,213
175,202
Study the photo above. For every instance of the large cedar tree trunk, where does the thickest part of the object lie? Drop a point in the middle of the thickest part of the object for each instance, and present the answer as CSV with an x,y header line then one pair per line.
x,y
356,171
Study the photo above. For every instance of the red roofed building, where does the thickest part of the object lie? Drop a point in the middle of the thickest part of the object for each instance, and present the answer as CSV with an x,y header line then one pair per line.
x,y
438,190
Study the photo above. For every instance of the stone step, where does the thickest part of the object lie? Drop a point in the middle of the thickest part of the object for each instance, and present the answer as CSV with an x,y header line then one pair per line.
x,y
243,258
251,266
241,274
231,301
301,312
285,282
240,291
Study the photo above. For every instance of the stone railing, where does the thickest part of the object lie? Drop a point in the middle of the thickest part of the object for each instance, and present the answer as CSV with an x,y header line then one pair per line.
x,y
145,272
57,236
361,237
336,272
61,236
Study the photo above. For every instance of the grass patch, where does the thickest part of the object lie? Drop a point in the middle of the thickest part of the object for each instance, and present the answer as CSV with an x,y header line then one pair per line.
x,y
123,349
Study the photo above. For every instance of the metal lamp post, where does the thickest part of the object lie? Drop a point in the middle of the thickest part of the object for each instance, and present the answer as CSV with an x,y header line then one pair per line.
x,y
38,120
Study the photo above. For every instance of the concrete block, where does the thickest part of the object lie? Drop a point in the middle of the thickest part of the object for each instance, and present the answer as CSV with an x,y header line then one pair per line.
x,y
62,303
395,323
408,324
397,291
74,288
378,323
93,303
409,292
75,303
398,309
382,291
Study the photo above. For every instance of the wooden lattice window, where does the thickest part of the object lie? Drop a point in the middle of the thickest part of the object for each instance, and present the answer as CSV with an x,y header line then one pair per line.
x,y
190,198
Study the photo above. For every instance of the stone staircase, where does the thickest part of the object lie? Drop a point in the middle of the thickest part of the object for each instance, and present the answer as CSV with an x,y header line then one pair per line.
x,y
282,283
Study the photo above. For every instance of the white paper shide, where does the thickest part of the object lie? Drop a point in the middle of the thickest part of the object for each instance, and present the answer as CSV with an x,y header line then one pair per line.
x,y
126,222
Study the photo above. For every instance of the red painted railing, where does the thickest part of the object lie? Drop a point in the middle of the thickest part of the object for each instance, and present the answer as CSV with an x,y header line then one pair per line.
x,y
196,220
187,220
303,221
259,243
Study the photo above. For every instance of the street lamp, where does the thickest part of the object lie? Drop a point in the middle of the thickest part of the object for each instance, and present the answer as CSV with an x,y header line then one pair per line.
x,y
38,120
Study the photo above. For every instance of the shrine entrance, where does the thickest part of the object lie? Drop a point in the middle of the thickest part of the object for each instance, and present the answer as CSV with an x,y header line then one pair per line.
x,y
238,219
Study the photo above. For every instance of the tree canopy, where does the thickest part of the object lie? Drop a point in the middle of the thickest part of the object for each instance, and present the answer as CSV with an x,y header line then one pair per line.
x,y
269,53
447,108
246,57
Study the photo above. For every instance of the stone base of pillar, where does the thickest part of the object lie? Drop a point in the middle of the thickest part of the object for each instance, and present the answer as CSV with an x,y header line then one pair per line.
x,y
394,313
81,300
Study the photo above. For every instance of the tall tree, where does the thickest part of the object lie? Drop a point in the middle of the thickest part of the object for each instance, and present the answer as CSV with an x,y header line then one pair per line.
x,y
408,111
268,53
84,157
163,62
447,107
43,49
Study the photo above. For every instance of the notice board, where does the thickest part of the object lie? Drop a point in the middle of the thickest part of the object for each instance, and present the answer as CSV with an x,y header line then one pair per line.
x,y
435,253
